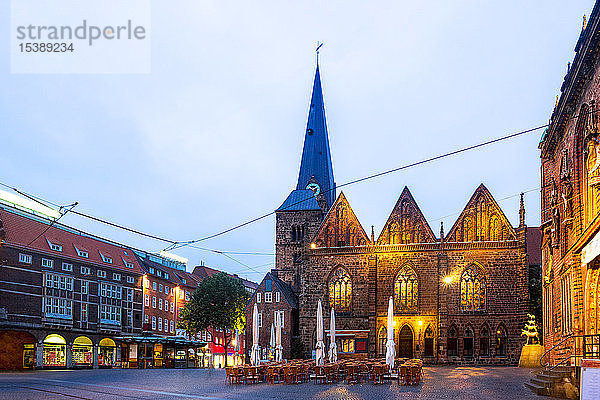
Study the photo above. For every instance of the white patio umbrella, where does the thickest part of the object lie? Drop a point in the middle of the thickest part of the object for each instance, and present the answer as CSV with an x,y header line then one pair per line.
x,y
255,352
272,343
332,345
390,352
236,349
278,346
320,348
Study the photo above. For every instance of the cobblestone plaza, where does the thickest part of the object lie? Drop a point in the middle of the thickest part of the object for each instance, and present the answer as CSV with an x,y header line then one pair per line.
x,y
438,383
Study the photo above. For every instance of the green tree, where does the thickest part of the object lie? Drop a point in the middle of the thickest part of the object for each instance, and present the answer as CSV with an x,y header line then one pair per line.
x,y
218,303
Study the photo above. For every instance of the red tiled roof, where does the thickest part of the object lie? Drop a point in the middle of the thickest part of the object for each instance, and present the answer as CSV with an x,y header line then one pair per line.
x,y
23,231
202,271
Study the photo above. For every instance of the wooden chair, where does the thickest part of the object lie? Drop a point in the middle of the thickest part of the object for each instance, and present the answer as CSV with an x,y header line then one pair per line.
x,y
378,373
351,373
363,372
229,375
319,374
416,374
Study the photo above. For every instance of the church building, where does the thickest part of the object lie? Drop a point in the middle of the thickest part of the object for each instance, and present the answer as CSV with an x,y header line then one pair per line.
x,y
460,296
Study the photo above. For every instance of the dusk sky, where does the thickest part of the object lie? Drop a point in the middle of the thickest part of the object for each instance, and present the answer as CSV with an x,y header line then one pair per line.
x,y
212,137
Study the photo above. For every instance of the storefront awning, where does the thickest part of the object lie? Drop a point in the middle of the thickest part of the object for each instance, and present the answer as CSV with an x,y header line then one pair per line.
x,y
591,250
172,340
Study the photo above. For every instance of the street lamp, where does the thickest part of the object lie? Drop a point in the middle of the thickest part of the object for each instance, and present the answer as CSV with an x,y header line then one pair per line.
x,y
448,279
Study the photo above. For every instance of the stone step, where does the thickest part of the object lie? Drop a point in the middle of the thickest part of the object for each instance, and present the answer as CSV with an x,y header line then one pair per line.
x,y
540,390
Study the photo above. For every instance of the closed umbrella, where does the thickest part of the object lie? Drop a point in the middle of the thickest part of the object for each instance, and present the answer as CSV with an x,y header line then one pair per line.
x,y
237,347
278,346
272,340
255,352
390,352
320,348
332,345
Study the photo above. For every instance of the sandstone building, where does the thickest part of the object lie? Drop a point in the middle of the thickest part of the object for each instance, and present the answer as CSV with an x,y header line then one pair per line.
x,y
460,296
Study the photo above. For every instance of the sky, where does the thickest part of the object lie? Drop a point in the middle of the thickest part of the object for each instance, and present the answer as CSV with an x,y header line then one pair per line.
x,y
213,135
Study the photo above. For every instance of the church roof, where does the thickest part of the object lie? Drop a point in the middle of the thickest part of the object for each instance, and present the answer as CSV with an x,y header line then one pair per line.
x,y
316,156
302,199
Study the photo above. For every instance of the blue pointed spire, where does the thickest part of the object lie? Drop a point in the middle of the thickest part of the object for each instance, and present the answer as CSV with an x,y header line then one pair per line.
x,y
316,156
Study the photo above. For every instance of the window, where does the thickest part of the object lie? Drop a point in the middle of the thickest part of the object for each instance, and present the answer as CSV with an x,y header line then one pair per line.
x,y
172,307
25,258
166,325
146,300
340,290
106,259
67,267
159,272
85,287
54,246
382,341
129,317
183,281
101,274
57,307
130,295
566,304
268,285
258,297
501,341
128,264
268,297
146,318
146,283
116,277
172,326
85,271
153,323
468,343
260,320
484,342
81,253
160,304
277,297
452,342
84,312
187,296
59,282
472,289
429,337
151,270
346,345
167,276
110,291
153,285
166,289
130,279
47,263
153,302
159,323
406,290
280,315
160,288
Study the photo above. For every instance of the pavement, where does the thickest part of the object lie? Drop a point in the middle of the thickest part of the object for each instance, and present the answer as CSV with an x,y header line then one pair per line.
x,y
438,383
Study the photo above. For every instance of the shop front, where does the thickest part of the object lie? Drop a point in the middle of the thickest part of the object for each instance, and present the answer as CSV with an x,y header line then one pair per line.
x,y
54,352
107,353
161,352
158,356
18,350
83,352
129,355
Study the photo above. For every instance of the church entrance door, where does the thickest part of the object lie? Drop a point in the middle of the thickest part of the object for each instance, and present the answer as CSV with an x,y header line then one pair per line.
x,y
405,342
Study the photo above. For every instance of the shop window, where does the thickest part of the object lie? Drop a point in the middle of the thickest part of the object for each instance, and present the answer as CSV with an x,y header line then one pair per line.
x,y
107,352
345,345
54,351
340,290
82,352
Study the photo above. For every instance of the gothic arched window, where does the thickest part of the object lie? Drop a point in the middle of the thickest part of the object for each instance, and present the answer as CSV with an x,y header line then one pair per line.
x,y
452,342
484,342
405,218
501,341
468,343
340,290
495,230
406,290
394,233
468,234
481,219
472,289
382,340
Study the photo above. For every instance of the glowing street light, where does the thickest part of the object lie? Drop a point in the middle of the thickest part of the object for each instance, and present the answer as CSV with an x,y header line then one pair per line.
x,y
448,279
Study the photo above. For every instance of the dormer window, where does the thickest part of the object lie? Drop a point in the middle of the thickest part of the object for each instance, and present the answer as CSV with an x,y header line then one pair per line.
x,y
81,253
106,259
166,276
183,280
54,246
151,270
128,264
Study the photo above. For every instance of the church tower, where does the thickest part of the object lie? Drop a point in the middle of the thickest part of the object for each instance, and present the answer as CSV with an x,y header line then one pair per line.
x,y
301,214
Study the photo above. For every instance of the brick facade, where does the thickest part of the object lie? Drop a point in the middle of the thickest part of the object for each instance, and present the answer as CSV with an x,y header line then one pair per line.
x,y
570,203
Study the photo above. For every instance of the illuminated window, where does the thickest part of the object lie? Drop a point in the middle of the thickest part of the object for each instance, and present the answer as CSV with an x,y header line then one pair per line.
x,y
340,290
468,234
382,341
406,290
501,341
495,230
472,289
346,345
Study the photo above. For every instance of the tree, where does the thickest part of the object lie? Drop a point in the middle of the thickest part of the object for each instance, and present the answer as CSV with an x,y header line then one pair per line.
x,y
218,303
